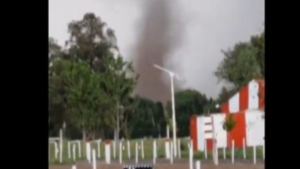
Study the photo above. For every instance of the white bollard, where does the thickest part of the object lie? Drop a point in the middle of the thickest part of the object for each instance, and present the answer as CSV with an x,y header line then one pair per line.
x,y
69,149
154,152
179,148
107,152
224,153
79,148
128,150
167,149
263,150
99,148
205,149
49,154
215,152
114,148
74,152
198,164
88,151
94,159
168,132
254,154
244,148
190,146
136,153
60,145
56,150
232,152
142,149
120,152
74,167
171,152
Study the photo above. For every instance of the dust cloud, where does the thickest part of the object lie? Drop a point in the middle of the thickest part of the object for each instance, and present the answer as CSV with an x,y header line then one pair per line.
x,y
160,34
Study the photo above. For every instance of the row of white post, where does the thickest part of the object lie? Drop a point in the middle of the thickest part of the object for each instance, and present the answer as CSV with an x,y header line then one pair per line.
x,y
58,150
75,145
107,150
93,161
215,152
140,147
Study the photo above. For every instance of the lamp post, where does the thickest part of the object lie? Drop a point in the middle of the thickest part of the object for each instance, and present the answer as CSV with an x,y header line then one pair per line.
x,y
171,74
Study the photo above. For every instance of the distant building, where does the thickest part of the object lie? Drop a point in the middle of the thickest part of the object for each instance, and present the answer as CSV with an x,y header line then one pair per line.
x,y
247,108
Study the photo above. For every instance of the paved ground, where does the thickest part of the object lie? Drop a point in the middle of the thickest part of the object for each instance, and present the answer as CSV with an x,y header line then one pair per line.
x,y
164,164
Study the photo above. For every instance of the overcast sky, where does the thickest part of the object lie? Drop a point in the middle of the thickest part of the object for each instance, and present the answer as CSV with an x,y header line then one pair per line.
x,y
209,26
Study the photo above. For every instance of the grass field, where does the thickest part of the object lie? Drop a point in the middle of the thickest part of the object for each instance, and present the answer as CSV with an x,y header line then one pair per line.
x,y
148,152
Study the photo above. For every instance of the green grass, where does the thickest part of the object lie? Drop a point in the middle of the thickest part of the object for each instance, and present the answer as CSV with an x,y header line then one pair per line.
x,y
148,152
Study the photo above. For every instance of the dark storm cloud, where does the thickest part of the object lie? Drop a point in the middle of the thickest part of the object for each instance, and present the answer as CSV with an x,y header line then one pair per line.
x,y
160,34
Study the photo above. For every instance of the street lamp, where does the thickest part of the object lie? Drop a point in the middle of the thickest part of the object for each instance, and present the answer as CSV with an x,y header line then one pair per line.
x,y
171,74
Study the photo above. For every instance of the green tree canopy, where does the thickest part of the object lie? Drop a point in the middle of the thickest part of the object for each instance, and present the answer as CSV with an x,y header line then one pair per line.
x,y
87,82
243,63
187,103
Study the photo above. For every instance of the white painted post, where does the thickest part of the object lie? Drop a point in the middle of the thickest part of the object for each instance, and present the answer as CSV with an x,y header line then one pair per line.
x,y
49,153
190,155
198,164
114,148
205,149
179,148
74,167
167,149
120,152
128,150
215,152
56,150
224,153
69,149
171,152
136,153
142,149
244,148
60,145
232,152
168,132
254,154
107,152
74,152
88,151
154,151
263,150
99,148
94,159
79,148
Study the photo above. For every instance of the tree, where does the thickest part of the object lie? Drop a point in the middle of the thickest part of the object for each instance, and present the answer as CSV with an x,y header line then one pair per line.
x,y
53,47
57,113
89,41
243,63
87,80
258,42
119,83
225,94
187,103
84,96
148,116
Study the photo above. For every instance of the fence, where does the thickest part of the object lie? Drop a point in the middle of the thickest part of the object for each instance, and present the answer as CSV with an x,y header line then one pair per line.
x,y
147,149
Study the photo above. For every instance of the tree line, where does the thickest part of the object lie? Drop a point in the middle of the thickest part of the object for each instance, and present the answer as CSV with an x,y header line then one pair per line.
x,y
90,86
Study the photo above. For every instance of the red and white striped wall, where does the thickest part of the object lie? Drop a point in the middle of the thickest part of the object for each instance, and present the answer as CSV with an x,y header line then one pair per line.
x,y
249,126
250,97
